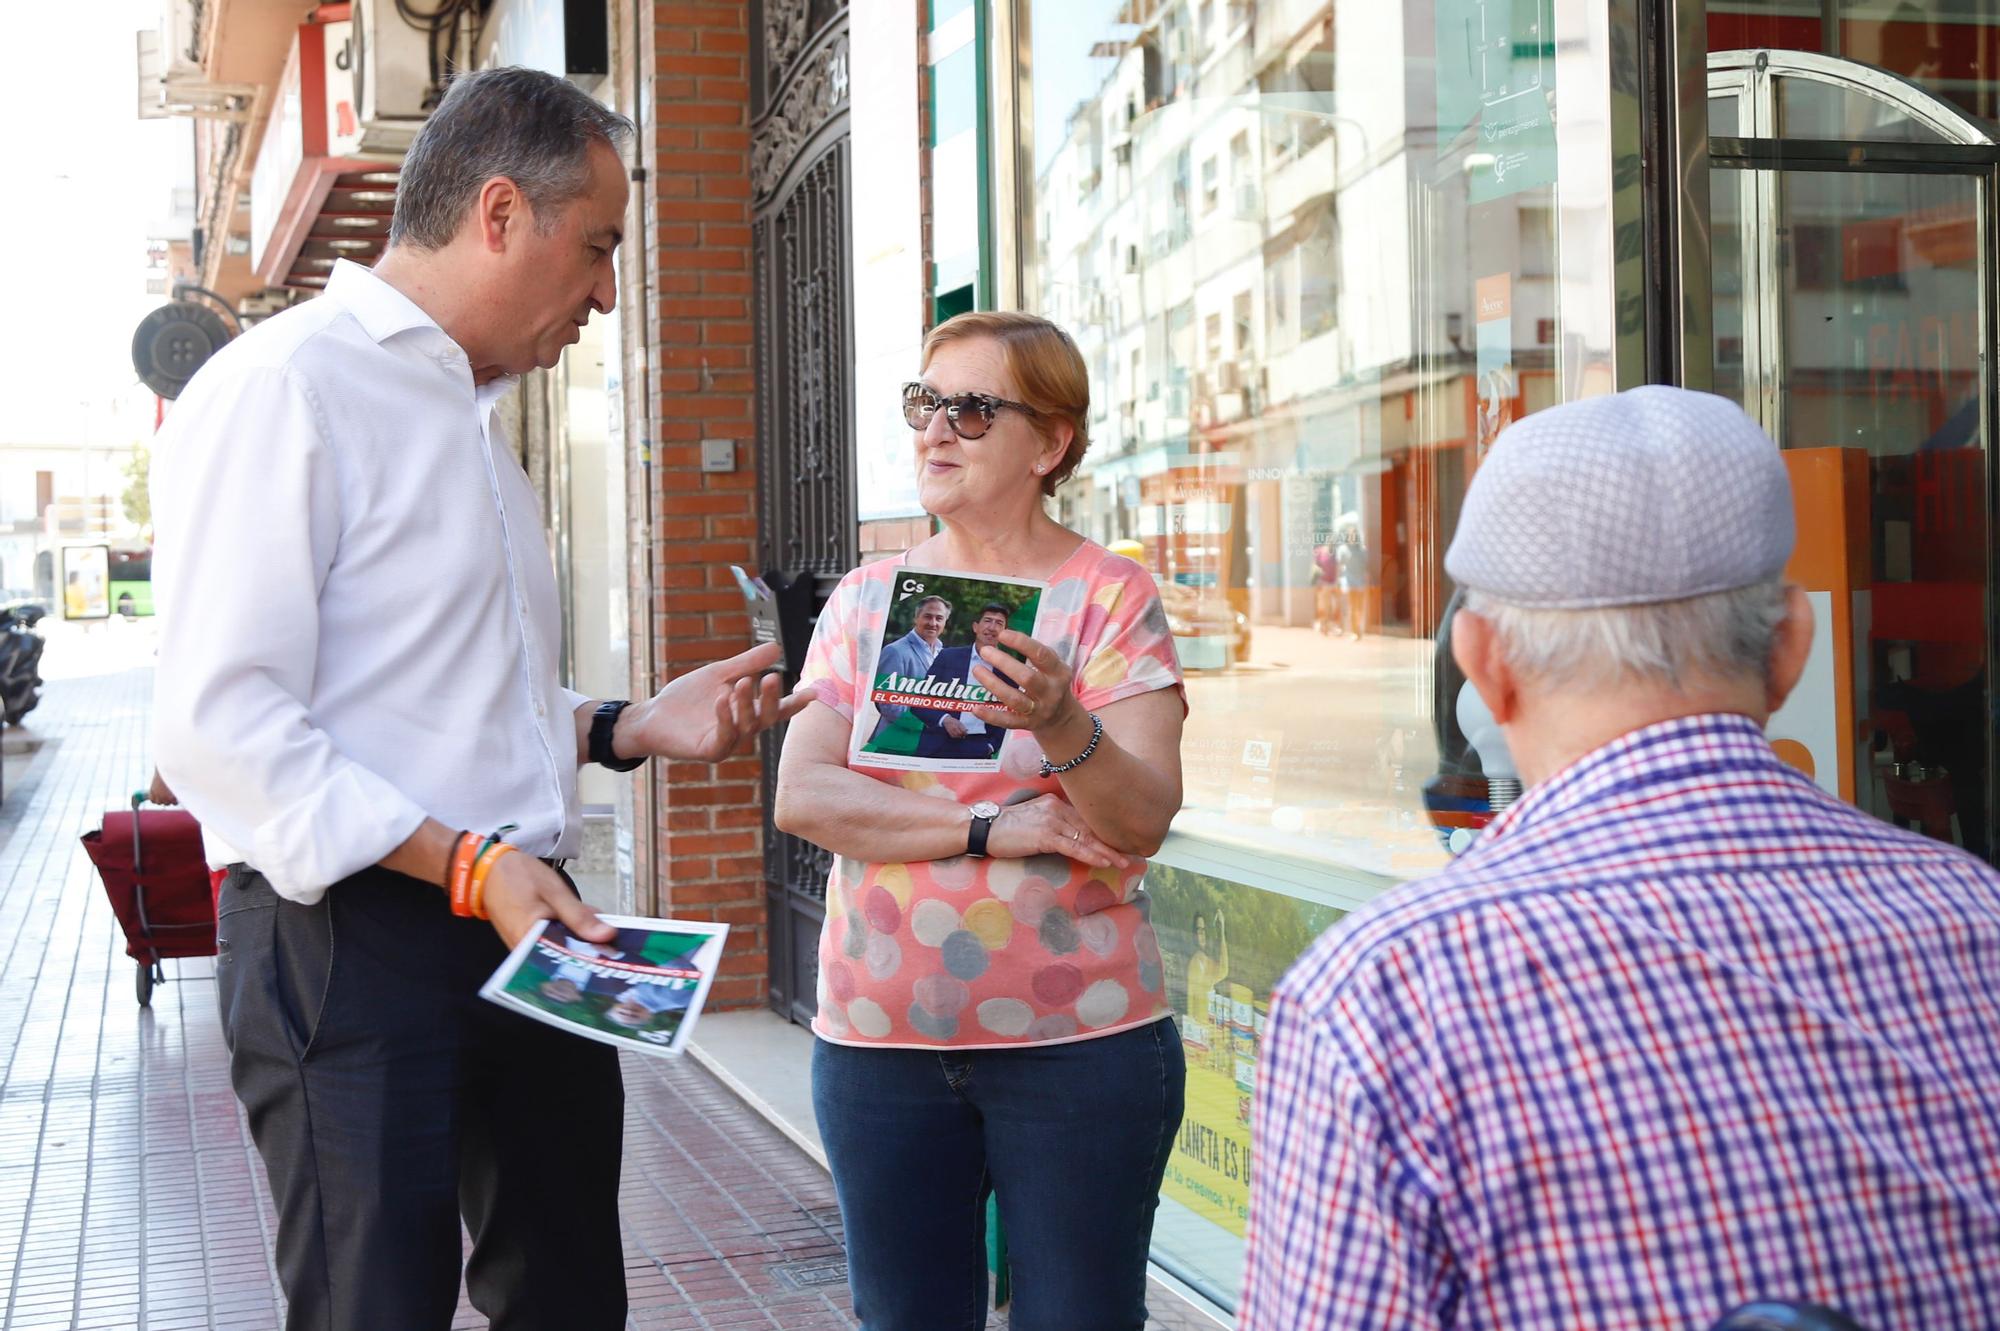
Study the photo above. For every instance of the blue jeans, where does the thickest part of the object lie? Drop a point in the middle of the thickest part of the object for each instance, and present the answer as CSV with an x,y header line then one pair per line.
x,y
1072,1139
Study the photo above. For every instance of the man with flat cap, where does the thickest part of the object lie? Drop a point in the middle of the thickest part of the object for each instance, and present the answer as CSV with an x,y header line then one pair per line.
x,y
1680,1030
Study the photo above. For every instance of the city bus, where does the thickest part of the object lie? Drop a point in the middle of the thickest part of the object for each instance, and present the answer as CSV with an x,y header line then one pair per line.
x,y
131,581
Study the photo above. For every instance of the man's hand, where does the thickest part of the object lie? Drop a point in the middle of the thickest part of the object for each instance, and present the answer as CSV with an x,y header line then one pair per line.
x,y
708,714
954,727
520,889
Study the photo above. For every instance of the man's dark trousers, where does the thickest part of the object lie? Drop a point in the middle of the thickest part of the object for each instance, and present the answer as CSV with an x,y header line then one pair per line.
x,y
387,1098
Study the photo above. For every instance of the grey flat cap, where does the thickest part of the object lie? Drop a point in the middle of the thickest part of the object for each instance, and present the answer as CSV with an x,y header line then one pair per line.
x,y
1653,494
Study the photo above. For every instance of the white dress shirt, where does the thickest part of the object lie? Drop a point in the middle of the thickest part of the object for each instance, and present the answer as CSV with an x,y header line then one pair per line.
x,y
359,622
969,721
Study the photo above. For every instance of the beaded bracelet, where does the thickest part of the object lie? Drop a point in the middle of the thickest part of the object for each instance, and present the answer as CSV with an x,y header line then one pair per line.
x,y
1096,734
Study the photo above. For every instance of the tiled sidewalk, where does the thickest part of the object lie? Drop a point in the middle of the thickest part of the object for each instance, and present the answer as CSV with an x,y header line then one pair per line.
x,y
130,1195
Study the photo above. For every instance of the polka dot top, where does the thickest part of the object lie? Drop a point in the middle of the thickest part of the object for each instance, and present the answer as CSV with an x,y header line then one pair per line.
x,y
969,953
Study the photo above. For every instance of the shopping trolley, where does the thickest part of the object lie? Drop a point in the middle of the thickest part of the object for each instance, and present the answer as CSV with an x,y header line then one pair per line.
x,y
157,878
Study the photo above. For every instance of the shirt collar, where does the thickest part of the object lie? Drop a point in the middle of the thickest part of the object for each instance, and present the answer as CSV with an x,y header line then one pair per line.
x,y
380,309
383,312
1686,746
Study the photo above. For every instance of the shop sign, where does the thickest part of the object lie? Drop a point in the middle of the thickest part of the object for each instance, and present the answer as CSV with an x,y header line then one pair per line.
x,y
278,160
1496,73
86,573
312,117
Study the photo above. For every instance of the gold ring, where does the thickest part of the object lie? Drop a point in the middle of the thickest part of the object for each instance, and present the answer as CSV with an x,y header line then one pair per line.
x,y
1029,710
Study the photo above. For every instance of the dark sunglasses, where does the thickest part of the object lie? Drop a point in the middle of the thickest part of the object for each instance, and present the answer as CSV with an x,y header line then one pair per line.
x,y
970,415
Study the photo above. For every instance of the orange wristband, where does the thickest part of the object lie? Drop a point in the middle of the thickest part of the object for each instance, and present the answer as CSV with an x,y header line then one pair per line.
x,y
462,857
494,853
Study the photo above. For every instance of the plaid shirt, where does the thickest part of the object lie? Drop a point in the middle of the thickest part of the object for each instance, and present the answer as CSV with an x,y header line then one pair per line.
x,y
1679,1032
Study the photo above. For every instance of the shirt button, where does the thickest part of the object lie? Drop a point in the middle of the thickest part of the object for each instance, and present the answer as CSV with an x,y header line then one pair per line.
x,y
540,710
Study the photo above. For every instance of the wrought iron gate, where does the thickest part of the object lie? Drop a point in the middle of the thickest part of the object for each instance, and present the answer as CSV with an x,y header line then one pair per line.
x,y
803,302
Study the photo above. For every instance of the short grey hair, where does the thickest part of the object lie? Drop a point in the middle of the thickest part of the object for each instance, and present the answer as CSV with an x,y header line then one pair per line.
x,y
939,599
533,128
1724,634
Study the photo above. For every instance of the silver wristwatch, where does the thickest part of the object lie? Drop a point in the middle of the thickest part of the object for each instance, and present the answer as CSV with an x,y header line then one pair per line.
x,y
983,814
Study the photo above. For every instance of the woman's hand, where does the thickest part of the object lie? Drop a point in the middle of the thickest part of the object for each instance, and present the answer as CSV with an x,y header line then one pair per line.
x,y
1040,698
1049,825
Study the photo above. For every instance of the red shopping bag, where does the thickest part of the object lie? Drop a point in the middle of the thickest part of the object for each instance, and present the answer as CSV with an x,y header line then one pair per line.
x,y
158,882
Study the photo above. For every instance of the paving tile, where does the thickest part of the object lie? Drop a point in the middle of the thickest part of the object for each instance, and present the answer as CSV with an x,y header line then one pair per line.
x,y
130,1194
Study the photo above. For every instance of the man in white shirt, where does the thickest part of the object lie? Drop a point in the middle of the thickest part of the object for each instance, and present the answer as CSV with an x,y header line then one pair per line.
x,y
358,659
962,734
911,655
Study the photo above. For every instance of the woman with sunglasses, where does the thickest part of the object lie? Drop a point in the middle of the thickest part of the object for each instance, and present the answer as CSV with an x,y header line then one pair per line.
x,y
992,1013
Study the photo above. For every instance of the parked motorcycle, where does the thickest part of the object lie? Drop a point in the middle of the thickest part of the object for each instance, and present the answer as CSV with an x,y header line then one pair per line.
x,y
21,646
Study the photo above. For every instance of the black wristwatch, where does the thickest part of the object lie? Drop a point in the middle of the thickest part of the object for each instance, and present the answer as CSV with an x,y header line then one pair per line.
x,y
601,726
983,814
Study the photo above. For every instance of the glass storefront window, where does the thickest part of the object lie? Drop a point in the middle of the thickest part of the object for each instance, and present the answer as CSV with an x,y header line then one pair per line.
x,y
1313,280
1317,254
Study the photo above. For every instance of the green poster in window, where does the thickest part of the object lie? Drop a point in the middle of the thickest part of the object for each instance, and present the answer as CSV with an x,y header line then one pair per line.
x,y
1496,75
1223,947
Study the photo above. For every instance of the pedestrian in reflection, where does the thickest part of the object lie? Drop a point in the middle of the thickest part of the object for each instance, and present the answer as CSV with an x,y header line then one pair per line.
x,y
1680,1030
1326,590
992,1013
1357,581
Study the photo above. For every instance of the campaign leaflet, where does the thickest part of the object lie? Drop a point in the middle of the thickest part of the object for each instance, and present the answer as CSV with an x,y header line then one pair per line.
x,y
641,991
762,605
917,714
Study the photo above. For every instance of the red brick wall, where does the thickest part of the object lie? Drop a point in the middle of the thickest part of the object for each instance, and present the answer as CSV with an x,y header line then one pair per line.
x,y
705,859
891,536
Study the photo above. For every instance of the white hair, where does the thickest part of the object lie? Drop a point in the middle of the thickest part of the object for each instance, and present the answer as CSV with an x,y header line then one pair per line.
x,y
1723,634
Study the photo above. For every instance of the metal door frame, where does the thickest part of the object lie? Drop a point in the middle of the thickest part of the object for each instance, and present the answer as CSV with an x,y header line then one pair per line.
x,y
802,306
1971,150
1751,76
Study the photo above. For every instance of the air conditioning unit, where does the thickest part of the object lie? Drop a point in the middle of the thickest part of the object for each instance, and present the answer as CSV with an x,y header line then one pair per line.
x,y
393,92
180,40
171,81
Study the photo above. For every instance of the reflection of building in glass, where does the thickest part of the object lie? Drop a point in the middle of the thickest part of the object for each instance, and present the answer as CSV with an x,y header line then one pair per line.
x,y
1303,309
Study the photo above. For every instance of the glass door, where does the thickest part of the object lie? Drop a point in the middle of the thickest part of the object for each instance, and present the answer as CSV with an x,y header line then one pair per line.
x,y
1853,261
